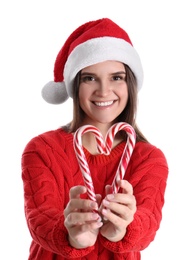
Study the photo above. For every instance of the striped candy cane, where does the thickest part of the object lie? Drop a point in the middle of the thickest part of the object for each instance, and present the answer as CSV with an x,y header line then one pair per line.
x,y
127,152
104,148
82,158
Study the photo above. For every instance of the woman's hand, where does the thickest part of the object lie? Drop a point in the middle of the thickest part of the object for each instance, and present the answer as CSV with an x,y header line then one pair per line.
x,y
118,210
81,219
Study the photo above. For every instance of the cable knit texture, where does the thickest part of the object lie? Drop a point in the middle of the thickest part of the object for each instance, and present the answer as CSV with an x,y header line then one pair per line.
x,y
50,169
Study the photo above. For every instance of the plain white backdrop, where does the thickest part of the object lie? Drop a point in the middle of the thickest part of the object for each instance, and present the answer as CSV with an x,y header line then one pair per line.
x,y
32,32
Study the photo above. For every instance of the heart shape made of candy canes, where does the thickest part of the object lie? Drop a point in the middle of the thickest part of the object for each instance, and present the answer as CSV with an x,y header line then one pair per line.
x,y
104,147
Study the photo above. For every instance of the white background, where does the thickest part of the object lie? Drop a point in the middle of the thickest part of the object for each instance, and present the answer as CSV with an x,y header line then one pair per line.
x,y
32,32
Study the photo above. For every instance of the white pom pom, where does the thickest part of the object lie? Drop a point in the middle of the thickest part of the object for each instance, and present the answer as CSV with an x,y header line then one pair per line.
x,y
55,92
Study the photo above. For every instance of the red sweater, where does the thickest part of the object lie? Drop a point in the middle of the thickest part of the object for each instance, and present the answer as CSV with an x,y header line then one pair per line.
x,y
50,169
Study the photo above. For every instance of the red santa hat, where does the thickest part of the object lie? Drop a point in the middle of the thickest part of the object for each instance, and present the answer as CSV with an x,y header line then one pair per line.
x,y
91,43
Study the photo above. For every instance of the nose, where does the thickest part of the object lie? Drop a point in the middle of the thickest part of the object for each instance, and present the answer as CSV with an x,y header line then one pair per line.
x,y
103,88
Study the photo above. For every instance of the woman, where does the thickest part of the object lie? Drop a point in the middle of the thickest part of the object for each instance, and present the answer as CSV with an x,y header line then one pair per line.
x,y
100,69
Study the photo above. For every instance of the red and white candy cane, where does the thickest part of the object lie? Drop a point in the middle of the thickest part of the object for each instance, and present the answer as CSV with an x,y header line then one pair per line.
x,y
77,141
104,148
127,152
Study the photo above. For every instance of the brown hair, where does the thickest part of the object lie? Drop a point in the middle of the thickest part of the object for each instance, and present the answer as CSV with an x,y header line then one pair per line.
x,y
128,115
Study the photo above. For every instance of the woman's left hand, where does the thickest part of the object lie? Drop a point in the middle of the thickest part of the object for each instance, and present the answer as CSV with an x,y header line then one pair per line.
x,y
118,210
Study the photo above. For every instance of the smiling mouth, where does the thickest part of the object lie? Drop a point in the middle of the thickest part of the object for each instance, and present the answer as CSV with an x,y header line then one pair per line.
x,y
103,104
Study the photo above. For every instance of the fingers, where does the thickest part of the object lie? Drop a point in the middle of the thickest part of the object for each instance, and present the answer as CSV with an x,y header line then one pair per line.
x,y
125,186
81,218
108,189
126,197
76,191
78,205
98,198
120,206
121,199
80,211
81,214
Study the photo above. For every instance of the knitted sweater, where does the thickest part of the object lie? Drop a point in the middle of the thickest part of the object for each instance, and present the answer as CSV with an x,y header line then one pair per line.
x,y
50,169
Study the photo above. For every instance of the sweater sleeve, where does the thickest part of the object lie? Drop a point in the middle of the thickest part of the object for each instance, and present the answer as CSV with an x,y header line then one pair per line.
x,y
149,179
46,191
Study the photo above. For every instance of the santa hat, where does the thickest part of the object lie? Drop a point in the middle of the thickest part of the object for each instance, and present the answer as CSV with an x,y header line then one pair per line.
x,y
91,43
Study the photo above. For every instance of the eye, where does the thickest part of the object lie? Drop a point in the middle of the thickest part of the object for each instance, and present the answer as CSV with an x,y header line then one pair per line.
x,y
87,78
118,77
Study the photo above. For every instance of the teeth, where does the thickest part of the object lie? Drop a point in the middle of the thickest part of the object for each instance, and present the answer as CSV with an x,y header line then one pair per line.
x,y
103,104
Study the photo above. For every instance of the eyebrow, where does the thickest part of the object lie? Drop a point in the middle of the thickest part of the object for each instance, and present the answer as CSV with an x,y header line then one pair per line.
x,y
118,72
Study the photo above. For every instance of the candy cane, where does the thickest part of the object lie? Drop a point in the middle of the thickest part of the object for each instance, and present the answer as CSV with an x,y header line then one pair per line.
x,y
82,158
127,152
104,148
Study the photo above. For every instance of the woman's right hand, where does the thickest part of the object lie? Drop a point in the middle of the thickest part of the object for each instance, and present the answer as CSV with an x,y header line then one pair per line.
x,y
81,219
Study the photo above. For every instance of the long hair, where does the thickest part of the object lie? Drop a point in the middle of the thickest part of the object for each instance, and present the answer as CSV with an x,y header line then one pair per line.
x,y
128,115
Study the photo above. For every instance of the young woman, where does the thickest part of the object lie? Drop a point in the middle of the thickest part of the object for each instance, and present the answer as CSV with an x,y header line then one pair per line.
x,y
100,69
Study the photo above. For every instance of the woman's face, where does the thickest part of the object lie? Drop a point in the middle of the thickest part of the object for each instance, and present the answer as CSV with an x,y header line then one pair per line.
x,y
103,92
